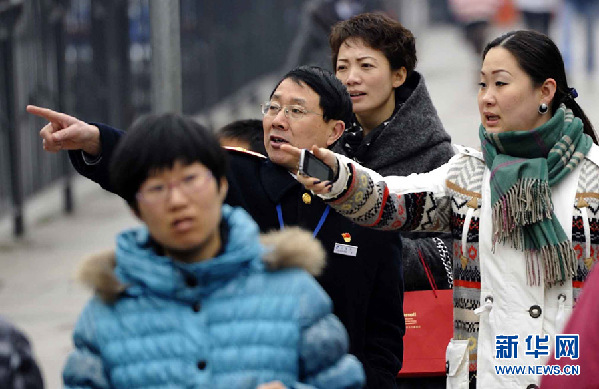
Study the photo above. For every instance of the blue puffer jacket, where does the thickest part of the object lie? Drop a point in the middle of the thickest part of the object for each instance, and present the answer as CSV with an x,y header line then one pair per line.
x,y
226,322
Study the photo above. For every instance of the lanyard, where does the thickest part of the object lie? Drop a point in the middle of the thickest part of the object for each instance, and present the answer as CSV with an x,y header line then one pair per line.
x,y
320,222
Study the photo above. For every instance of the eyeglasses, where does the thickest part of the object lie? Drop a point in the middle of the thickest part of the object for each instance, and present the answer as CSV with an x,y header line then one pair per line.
x,y
293,112
157,192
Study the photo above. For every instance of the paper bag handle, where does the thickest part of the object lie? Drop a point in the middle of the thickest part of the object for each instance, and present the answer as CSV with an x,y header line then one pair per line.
x,y
428,273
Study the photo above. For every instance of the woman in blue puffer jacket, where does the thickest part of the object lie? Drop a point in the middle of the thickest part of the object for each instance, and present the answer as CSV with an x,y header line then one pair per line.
x,y
193,299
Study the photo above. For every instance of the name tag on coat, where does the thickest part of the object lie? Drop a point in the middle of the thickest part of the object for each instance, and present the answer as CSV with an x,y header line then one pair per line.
x,y
346,249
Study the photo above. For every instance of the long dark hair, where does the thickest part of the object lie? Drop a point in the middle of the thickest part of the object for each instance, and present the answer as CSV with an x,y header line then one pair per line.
x,y
540,58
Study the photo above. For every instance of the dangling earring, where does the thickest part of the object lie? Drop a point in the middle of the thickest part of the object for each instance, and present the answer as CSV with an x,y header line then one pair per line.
x,y
543,108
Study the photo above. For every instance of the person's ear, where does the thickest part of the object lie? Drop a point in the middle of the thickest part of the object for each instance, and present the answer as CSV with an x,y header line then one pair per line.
x,y
223,188
336,132
399,77
548,91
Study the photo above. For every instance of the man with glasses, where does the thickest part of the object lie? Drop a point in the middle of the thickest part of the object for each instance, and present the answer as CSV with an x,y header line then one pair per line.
x,y
363,277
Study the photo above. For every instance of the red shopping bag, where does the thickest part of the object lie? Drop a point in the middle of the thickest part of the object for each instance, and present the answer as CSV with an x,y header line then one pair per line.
x,y
429,327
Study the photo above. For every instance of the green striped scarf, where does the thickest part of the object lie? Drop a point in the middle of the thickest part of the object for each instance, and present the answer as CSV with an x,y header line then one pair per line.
x,y
524,165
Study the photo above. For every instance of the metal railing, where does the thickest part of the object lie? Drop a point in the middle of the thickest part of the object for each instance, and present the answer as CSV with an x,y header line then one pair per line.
x,y
92,58
30,74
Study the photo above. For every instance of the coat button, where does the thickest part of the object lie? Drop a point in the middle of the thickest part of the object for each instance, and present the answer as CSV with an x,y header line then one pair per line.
x,y
532,386
201,365
561,297
446,367
535,311
191,281
197,306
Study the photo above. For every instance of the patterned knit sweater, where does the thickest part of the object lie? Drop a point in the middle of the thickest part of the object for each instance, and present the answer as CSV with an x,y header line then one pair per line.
x,y
451,198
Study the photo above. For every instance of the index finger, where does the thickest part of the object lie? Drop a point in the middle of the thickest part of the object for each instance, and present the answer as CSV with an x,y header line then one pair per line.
x,y
291,150
48,114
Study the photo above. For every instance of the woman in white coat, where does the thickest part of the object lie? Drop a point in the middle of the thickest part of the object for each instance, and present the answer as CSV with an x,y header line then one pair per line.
x,y
521,212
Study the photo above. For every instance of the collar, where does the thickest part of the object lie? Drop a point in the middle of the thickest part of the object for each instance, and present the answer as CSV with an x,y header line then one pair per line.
x,y
140,267
353,141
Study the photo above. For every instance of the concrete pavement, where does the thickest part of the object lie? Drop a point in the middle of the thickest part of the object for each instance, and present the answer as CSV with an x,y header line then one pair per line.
x,y
37,291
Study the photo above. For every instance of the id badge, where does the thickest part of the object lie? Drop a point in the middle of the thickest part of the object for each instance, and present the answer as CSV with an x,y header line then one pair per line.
x,y
345,249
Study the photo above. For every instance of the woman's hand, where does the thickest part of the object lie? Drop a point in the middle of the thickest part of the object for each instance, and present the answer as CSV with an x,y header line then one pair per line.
x,y
325,155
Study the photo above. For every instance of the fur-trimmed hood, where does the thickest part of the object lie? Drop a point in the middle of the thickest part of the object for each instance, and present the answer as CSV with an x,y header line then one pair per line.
x,y
289,248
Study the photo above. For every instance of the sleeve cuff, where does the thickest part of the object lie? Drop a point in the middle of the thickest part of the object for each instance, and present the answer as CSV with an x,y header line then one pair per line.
x,y
341,181
91,160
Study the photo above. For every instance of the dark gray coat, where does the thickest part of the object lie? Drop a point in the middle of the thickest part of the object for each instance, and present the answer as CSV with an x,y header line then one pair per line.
x,y
413,140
